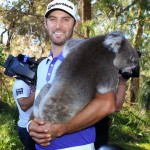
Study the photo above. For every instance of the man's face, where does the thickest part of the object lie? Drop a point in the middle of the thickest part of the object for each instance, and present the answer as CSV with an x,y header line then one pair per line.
x,y
60,26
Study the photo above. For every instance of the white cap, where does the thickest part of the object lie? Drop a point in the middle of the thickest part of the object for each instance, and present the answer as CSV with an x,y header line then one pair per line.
x,y
64,5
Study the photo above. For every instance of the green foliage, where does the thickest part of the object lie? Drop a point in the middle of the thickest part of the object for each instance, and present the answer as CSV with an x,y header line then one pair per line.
x,y
2,55
144,97
8,117
6,89
9,138
25,30
130,129
89,26
144,92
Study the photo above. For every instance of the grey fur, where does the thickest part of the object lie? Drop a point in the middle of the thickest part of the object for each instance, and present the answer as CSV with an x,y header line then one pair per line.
x,y
90,65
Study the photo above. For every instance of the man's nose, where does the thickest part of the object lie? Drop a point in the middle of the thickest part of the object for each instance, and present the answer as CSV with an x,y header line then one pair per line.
x,y
58,24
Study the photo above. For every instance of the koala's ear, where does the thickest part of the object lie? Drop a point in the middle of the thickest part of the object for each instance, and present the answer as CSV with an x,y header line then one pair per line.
x,y
113,41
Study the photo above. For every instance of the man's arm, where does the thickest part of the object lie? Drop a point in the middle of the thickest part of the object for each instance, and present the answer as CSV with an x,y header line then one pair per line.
x,y
26,102
120,93
101,106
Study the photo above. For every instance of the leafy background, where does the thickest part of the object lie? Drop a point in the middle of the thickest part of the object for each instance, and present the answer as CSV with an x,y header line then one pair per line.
x,y
22,31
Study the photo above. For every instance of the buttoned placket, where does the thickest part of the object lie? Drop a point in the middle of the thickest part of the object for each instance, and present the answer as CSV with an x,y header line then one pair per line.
x,y
52,63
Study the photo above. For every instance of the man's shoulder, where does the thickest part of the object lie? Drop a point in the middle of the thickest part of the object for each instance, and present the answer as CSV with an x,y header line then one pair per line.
x,y
42,66
20,82
43,62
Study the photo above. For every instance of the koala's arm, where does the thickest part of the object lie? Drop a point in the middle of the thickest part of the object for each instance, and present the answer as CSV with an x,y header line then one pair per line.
x,y
101,106
120,93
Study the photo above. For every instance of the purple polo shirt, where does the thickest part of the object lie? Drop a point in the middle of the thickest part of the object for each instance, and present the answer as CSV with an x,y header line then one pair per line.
x,y
82,137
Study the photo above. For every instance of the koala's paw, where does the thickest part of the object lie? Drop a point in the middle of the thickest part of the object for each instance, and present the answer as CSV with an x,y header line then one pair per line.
x,y
113,41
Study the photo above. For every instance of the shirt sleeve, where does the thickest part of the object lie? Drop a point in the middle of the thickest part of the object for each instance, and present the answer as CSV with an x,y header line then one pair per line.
x,y
20,89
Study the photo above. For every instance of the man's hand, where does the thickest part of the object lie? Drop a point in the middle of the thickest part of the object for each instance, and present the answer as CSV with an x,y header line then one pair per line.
x,y
38,133
44,132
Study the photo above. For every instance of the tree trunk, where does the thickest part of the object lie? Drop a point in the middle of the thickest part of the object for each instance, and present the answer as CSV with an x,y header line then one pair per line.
x,y
134,84
86,14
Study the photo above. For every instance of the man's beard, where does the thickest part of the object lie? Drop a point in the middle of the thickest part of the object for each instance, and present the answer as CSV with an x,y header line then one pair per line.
x,y
58,43
61,42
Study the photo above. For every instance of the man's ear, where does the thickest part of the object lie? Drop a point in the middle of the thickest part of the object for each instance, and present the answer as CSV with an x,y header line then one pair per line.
x,y
75,26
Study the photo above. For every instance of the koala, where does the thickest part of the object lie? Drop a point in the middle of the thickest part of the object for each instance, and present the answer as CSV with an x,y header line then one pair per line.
x,y
89,66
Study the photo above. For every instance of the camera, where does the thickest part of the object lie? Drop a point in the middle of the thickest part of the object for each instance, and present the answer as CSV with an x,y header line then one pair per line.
x,y
21,67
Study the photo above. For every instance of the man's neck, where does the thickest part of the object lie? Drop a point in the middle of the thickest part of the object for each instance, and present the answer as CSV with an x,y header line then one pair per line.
x,y
57,50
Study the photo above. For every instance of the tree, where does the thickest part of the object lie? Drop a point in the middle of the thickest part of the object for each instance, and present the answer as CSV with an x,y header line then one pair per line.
x,y
25,27
86,16
142,8
131,17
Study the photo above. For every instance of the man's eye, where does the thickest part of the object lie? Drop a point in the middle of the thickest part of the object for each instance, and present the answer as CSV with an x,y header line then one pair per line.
x,y
66,19
51,19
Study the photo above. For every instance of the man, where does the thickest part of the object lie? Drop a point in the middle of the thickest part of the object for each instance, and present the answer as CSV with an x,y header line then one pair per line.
x,y
79,133
24,97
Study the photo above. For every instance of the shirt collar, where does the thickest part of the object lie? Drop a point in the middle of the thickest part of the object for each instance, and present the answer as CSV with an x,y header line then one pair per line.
x,y
50,57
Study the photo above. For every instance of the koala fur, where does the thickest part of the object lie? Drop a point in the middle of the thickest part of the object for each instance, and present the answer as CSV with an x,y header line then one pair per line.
x,y
90,66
